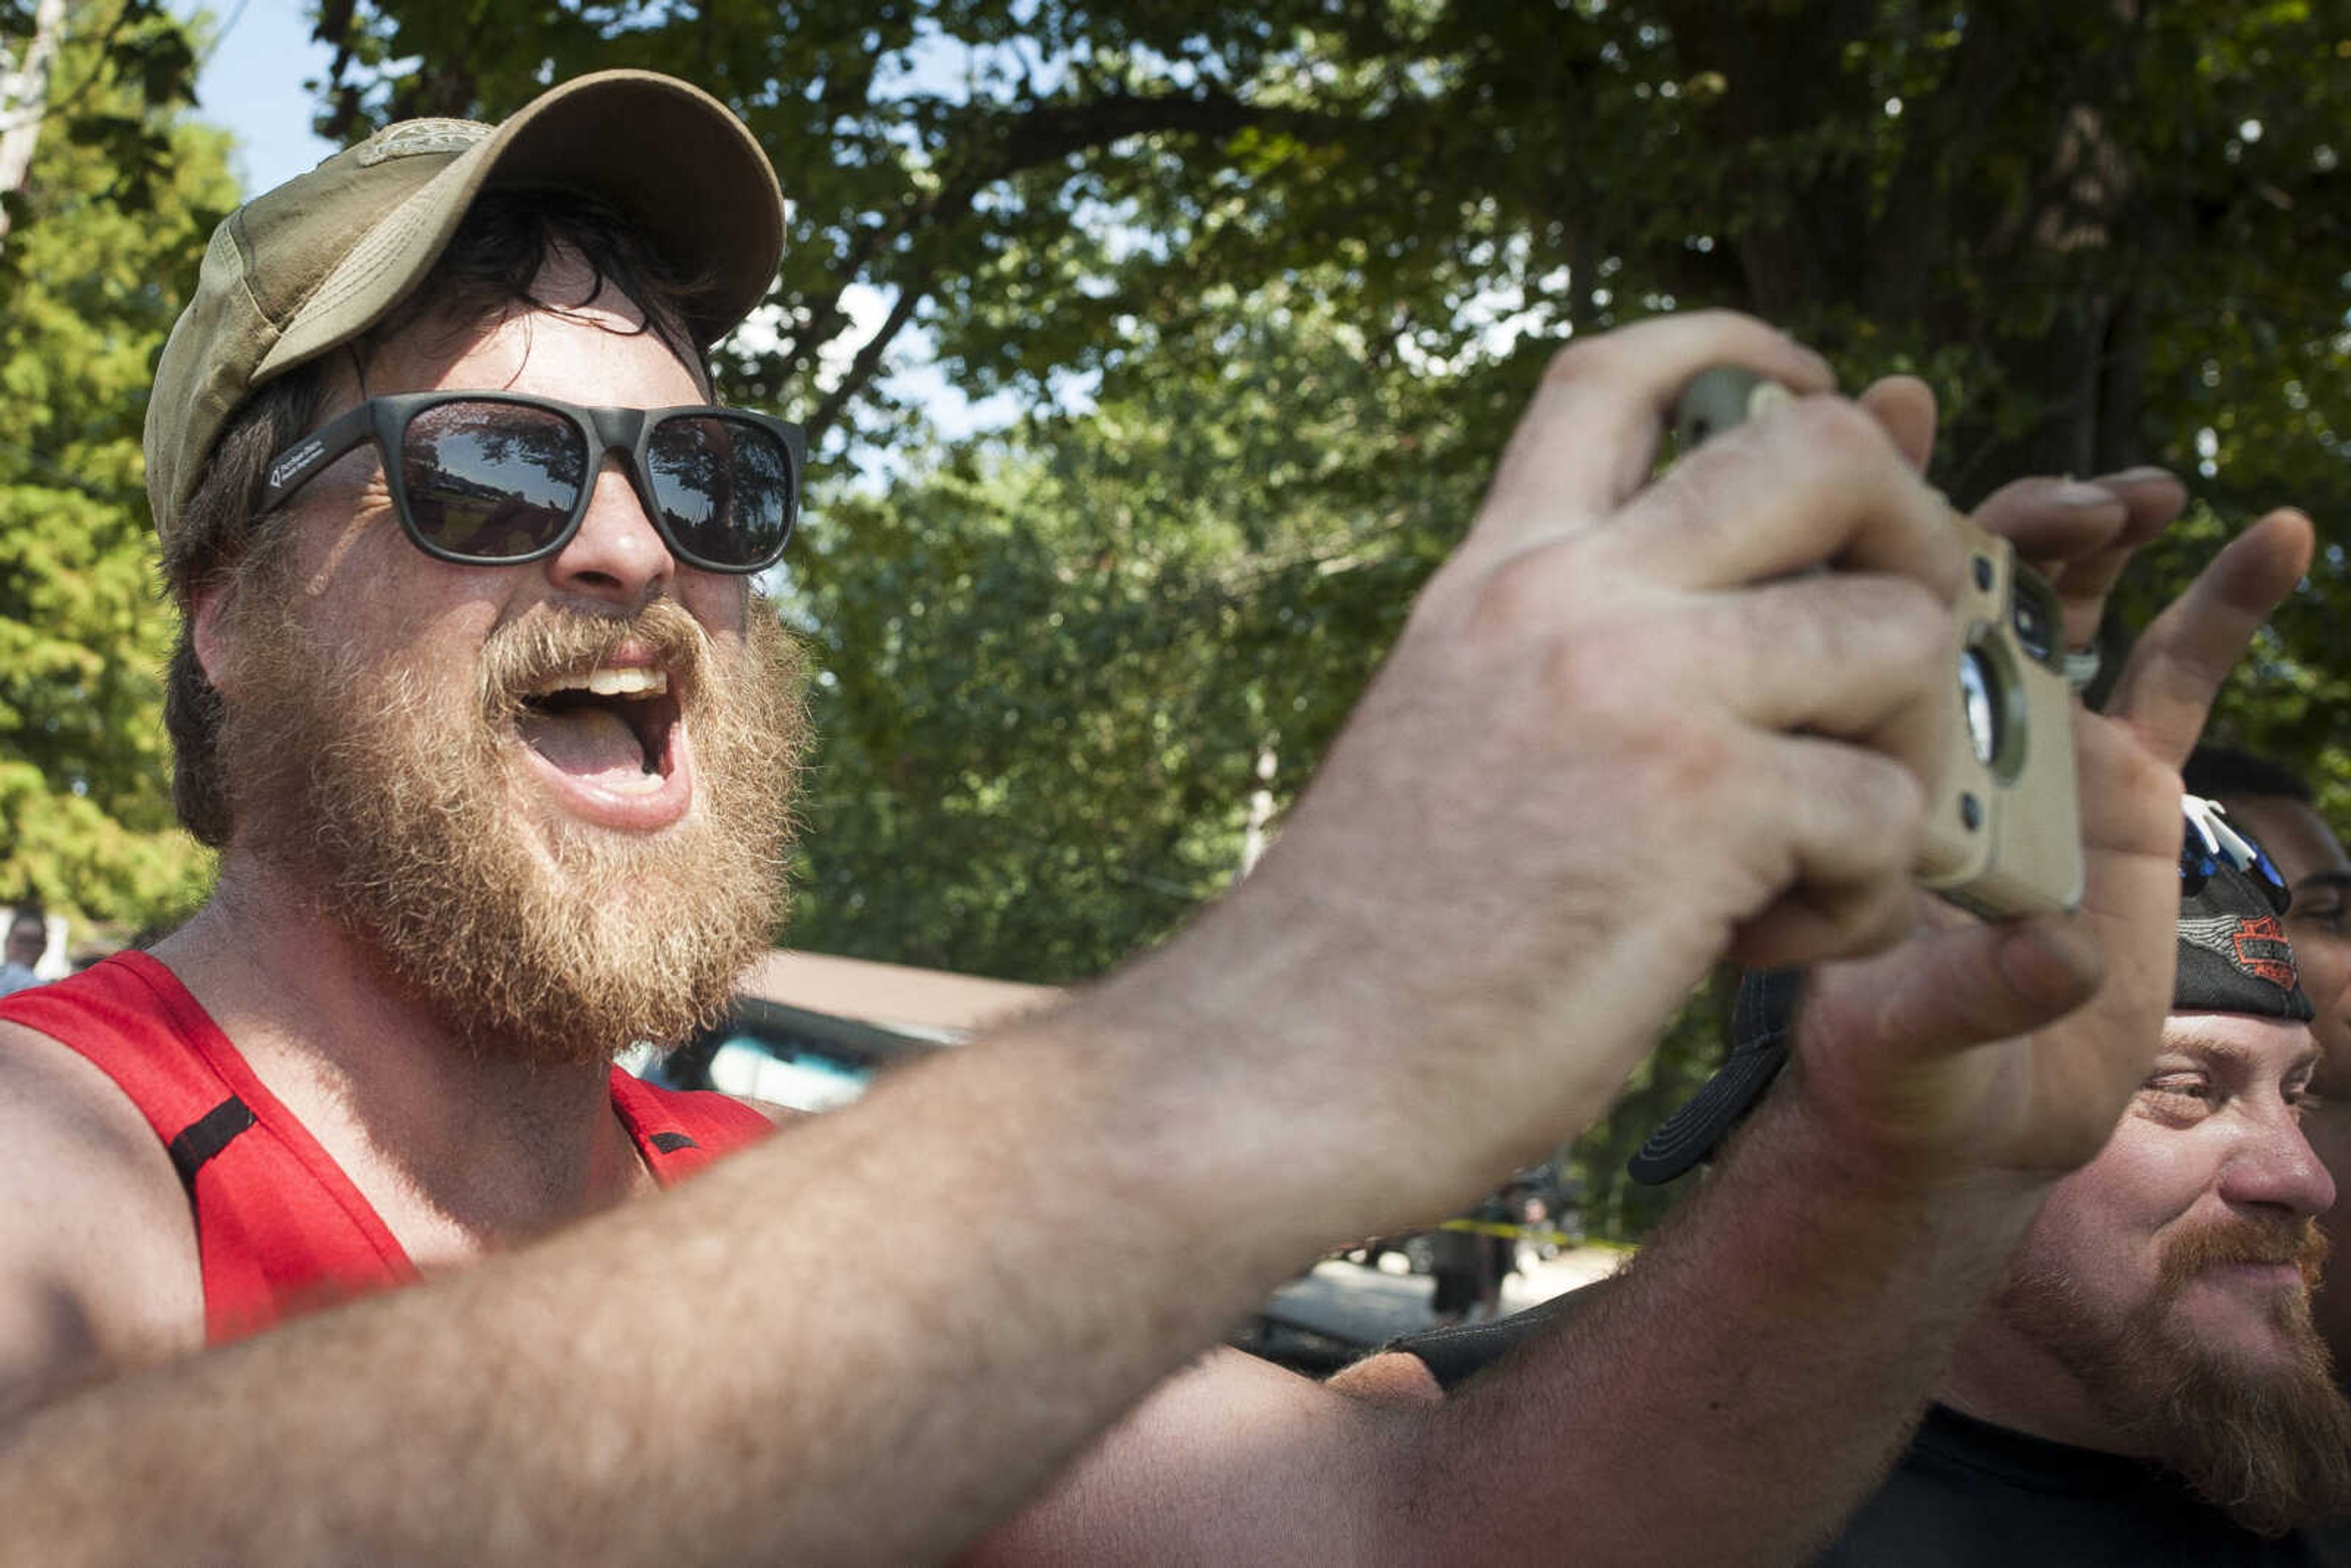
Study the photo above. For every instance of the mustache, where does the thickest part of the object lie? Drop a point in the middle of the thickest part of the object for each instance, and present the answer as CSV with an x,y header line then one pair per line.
x,y
521,658
2245,1238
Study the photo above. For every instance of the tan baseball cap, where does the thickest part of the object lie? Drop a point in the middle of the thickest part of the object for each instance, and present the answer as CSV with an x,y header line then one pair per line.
x,y
313,263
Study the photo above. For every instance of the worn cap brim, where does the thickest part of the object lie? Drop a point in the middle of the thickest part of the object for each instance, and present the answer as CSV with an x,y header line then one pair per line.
x,y
675,158
1762,1023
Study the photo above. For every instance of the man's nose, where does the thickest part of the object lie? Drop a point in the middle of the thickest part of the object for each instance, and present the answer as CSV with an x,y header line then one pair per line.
x,y
617,557
2276,1167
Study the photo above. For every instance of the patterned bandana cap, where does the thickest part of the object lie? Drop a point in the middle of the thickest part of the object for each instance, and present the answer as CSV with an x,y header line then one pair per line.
x,y
2233,958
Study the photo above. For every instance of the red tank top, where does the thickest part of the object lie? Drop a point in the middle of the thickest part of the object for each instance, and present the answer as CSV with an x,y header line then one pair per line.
x,y
279,1227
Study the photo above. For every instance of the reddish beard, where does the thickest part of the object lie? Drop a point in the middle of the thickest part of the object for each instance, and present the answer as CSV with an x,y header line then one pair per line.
x,y
2271,1447
392,797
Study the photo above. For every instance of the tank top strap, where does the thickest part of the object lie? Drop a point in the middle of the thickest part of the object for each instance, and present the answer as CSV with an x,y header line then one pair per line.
x,y
678,1131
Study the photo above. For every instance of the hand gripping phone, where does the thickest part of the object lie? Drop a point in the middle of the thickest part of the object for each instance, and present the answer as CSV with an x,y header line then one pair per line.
x,y
2003,836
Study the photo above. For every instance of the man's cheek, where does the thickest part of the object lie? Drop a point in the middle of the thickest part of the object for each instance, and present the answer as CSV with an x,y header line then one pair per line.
x,y
2329,1131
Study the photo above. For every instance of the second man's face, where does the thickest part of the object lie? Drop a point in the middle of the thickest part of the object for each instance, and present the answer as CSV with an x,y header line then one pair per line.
x,y
2159,1306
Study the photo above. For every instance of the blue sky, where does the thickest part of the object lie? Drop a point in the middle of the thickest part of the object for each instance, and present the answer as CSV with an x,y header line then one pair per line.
x,y
252,84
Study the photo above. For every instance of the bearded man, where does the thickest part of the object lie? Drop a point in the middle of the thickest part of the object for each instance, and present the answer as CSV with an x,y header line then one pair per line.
x,y
2273,805
474,696
2146,1383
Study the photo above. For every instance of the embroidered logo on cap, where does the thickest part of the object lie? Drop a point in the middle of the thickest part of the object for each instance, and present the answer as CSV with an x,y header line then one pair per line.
x,y
2255,945
411,138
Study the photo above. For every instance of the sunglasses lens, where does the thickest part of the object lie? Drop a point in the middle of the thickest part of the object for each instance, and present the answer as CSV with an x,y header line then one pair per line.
x,y
491,481
724,488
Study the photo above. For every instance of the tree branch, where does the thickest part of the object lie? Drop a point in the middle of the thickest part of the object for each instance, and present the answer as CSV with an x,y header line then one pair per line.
x,y
1007,146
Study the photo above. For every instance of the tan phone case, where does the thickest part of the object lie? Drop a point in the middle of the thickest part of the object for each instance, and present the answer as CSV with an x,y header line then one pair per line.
x,y
2005,835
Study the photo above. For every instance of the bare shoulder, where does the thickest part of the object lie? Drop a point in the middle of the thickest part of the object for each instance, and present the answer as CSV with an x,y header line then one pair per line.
x,y
99,1269
1392,1378
1232,1460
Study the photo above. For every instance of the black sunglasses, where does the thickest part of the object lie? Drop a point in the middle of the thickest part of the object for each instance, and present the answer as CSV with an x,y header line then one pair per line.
x,y
500,478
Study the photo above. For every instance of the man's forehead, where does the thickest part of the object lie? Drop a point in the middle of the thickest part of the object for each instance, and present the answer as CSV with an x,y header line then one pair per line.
x,y
493,339
2281,1046
2321,882
2295,836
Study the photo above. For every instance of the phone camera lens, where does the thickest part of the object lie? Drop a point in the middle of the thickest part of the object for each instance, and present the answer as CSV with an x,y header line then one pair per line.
x,y
1979,699
2036,624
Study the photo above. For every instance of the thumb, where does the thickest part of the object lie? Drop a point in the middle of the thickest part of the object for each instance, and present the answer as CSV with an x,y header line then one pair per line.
x,y
1945,991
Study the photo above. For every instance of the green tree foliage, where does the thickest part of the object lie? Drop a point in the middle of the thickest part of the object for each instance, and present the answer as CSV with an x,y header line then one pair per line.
x,y
1060,668
1294,259
132,66
88,285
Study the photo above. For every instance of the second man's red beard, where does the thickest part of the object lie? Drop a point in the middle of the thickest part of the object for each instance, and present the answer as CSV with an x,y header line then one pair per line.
x,y
2272,1447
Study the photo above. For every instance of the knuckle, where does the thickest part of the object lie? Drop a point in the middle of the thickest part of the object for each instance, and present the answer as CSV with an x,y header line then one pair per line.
x,y
1586,672
1718,319
1710,498
1813,624
1886,916
1641,346
2001,510
1447,587
1690,755
1917,630
1516,595
1613,685
1856,626
1583,357
1864,915
1838,431
1886,804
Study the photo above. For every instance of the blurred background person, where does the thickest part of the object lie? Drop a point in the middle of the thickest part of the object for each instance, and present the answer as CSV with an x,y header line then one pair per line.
x,y
28,939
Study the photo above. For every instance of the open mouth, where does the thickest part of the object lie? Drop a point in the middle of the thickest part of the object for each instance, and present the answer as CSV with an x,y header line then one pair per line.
x,y
607,728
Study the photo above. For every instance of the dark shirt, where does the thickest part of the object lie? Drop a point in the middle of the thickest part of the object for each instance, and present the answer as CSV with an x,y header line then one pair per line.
x,y
1969,1493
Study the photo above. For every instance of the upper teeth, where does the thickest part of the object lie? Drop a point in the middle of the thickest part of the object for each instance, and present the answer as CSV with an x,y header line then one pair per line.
x,y
613,682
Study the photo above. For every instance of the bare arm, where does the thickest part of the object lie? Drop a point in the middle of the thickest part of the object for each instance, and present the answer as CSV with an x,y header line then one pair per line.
x,y
734,1370
97,1258
1457,945
1730,1397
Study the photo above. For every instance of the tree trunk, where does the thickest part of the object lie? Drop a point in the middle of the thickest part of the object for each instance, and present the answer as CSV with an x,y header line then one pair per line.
x,y
23,99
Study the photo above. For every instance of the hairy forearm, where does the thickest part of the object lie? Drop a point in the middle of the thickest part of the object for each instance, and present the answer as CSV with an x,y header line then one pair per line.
x,y
1745,1385
755,1367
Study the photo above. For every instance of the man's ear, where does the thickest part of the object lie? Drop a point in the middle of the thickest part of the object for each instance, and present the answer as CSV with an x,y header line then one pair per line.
x,y
208,631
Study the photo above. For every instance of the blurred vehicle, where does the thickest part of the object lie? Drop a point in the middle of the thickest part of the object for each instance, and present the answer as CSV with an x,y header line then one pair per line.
x,y
810,1031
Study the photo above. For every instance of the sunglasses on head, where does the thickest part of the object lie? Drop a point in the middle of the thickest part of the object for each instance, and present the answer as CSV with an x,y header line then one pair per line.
x,y
2208,843
500,478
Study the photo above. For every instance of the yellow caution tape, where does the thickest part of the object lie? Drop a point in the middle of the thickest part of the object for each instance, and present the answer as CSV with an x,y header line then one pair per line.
x,y
1510,1232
